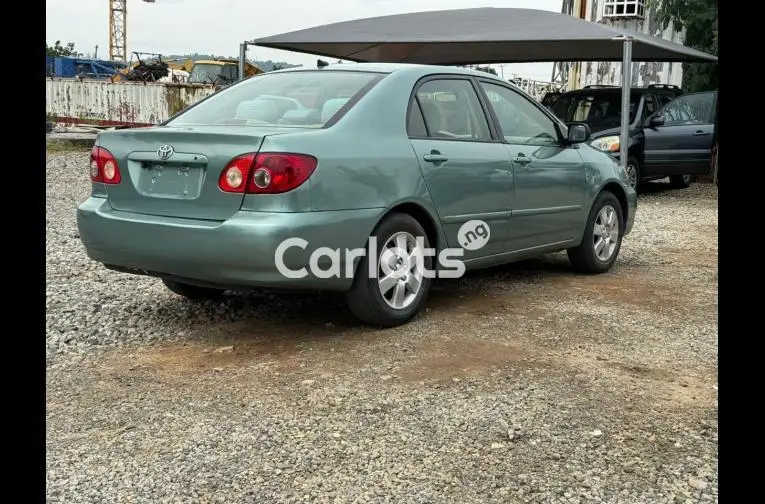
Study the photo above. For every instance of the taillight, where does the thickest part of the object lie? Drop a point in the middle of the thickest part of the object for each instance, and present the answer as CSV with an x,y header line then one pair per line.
x,y
103,166
234,177
266,173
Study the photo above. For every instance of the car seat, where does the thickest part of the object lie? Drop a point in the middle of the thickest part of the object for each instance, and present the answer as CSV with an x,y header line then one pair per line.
x,y
258,110
434,119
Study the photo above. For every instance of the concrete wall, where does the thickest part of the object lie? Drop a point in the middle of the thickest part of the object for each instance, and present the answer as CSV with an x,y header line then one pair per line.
x,y
76,101
643,73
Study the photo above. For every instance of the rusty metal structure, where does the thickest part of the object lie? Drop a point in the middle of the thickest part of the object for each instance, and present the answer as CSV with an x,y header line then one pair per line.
x,y
118,29
535,88
630,14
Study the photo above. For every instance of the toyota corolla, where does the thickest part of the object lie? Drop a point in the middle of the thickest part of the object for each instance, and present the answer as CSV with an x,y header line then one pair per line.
x,y
367,172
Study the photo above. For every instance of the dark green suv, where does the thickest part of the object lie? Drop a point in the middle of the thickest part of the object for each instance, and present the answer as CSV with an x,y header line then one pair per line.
x,y
658,147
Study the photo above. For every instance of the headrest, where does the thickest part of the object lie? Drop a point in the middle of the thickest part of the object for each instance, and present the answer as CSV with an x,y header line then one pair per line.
x,y
331,107
260,110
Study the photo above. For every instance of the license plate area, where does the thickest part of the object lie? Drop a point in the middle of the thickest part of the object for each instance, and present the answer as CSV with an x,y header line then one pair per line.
x,y
170,181
181,178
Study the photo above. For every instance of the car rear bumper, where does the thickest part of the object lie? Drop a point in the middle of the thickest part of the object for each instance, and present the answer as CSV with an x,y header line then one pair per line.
x,y
237,253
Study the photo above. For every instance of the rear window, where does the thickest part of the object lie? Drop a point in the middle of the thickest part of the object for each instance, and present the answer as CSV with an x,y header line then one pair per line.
x,y
297,99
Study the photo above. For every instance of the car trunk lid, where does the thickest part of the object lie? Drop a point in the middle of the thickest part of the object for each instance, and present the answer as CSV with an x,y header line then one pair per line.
x,y
174,171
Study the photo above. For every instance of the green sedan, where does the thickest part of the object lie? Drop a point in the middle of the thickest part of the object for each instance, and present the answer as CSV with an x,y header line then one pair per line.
x,y
372,179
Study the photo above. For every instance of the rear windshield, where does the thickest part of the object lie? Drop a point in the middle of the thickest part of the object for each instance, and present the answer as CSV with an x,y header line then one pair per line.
x,y
298,99
600,111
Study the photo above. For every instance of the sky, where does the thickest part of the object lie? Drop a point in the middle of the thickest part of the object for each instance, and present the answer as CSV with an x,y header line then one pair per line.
x,y
219,26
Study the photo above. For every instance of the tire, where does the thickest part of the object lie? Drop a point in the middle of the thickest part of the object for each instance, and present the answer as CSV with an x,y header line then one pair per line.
x,y
365,298
633,178
680,181
584,258
192,292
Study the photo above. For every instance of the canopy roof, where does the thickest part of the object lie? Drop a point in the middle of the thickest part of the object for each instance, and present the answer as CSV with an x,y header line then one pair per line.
x,y
480,35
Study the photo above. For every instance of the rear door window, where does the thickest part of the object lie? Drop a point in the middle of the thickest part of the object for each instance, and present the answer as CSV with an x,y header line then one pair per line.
x,y
452,110
415,125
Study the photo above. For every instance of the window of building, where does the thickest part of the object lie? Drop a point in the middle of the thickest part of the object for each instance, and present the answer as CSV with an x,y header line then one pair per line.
x,y
624,9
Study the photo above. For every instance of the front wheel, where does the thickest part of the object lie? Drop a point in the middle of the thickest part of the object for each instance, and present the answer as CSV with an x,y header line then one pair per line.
x,y
395,288
680,181
602,236
633,172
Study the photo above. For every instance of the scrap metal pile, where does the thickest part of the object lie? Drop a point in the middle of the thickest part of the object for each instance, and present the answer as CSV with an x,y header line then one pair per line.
x,y
148,71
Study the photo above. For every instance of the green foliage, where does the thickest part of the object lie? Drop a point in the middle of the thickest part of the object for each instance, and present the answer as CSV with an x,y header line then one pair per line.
x,y
60,50
699,19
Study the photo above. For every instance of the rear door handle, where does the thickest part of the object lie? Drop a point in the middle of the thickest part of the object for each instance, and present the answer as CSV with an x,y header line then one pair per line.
x,y
521,160
435,158
701,133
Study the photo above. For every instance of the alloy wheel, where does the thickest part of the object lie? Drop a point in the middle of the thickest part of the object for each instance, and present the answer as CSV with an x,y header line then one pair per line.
x,y
605,233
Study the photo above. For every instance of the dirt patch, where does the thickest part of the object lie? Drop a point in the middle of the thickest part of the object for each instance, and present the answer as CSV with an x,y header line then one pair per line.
x,y
242,349
666,389
456,359
626,288
692,257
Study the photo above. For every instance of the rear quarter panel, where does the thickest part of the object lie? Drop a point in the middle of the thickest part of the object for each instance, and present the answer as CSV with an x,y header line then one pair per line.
x,y
365,159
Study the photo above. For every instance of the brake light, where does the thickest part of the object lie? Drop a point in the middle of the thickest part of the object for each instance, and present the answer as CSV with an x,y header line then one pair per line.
x,y
234,177
266,173
103,166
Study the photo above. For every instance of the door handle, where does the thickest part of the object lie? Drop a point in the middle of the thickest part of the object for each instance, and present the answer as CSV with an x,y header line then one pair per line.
x,y
701,133
522,160
435,158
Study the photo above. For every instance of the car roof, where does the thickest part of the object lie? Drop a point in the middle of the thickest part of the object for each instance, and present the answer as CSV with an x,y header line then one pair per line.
x,y
618,89
394,67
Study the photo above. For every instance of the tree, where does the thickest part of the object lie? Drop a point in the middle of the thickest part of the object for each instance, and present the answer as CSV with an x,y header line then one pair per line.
x,y
699,19
58,50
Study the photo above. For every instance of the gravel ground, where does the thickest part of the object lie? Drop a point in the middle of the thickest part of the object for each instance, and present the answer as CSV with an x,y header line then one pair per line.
x,y
524,383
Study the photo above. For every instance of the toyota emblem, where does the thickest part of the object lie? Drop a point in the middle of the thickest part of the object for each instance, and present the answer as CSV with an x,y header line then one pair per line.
x,y
165,152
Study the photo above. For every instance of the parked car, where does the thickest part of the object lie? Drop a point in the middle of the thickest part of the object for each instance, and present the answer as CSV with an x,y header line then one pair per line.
x,y
679,139
243,190
600,108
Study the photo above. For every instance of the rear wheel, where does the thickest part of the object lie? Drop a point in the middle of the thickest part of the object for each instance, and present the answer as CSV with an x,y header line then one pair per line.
x,y
680,181
192,291
398,285
602,236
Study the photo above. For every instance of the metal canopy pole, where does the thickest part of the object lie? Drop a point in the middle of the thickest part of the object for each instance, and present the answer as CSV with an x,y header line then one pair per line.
x,y
624,140
242,59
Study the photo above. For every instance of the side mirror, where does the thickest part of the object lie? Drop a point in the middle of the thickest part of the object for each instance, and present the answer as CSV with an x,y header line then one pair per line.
x,y
578,133
657,120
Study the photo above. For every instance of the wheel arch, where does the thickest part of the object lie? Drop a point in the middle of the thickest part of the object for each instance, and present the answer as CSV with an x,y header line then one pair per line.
x,y
421,214
617,190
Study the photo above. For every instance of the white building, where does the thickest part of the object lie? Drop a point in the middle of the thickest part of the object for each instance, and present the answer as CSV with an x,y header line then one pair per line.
x,y
632,15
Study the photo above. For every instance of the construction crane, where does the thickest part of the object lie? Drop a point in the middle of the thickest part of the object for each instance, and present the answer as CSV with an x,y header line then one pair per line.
x,y
118,29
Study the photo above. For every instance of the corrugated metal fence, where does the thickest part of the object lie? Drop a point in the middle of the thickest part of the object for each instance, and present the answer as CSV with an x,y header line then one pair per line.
x,y
130,103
